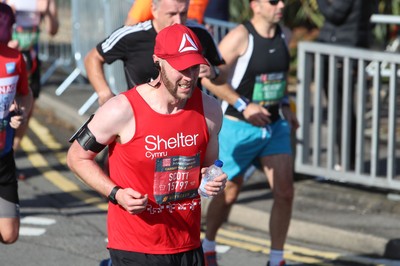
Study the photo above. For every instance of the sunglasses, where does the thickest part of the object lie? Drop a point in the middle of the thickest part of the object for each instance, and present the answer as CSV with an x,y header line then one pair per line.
x,y
273,2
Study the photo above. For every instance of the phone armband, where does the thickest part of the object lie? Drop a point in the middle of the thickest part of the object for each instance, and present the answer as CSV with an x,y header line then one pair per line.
x,y
86,138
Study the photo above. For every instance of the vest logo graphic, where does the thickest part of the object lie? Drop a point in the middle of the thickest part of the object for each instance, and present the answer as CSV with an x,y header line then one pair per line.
x,y
187,44
10,67
157,147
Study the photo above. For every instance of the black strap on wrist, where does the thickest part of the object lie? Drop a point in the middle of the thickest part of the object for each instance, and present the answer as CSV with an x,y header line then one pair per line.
x,y
216,72
111,198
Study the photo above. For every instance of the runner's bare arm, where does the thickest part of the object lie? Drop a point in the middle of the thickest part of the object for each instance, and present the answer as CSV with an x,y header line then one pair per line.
x,y
110,124
94,63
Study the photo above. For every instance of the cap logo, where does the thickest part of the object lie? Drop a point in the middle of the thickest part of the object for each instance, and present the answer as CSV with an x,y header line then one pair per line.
x,y
187,44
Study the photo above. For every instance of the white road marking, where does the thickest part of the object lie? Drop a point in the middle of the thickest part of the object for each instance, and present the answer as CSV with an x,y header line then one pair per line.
x,y
37,220
30,231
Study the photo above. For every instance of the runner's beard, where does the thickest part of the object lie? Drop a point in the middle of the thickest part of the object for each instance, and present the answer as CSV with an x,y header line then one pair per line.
x,y
173,87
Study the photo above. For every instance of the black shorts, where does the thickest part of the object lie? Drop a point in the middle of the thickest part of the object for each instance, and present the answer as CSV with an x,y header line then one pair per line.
x,y
189,258
8,178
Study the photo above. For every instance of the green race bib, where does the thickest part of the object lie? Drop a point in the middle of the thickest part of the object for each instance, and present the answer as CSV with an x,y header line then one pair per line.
x,y
269,88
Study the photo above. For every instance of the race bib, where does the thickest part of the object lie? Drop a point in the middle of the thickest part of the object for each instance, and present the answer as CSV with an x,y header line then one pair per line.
x,y
8,88
176,178
269,88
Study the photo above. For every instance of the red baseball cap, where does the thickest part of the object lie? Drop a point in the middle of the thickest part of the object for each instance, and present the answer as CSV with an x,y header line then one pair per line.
x,y
179,46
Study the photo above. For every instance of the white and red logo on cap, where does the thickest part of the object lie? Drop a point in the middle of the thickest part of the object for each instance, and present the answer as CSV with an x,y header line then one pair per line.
x,y
187,44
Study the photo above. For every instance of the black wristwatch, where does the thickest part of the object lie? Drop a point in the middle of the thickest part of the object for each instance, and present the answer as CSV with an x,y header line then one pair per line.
x,y
216,72
111,197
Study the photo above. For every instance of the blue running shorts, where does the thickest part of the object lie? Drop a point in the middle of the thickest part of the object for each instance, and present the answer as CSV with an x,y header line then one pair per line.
x,y
241,143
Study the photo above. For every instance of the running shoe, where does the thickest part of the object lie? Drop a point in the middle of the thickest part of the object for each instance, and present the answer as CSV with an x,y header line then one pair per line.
x,y
282,263
106,262
210,258
21,175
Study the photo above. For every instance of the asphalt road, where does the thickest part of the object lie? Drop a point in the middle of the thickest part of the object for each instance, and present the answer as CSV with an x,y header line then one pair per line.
x,y
63,221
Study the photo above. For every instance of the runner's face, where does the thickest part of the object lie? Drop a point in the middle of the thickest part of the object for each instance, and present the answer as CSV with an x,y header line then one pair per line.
x,y
180,84
169,12
272,13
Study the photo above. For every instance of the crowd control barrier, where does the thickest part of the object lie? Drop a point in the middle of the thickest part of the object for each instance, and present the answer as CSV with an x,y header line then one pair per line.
x,y
218,28
56,51
92,21
377,135
393,46
84,24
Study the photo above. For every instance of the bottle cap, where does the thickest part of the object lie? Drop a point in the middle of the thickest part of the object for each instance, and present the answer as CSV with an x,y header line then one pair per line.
x,y
218,163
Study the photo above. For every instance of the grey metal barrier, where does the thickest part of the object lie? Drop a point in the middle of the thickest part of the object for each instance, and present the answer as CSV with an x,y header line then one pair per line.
x,y
377,161
56,51
92,21
85,23
393,46
218,28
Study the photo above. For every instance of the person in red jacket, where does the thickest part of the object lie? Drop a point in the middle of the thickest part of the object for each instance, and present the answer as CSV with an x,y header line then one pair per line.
x,y
15,104
161,136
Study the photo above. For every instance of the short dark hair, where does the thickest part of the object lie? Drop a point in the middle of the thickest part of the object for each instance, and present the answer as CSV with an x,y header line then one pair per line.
x,y
7,20
7,16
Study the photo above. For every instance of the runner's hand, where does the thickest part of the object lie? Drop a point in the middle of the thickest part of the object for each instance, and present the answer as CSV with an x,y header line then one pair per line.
x,y
104,96
19,118
256,115
290,117
205,72
215,186
131,200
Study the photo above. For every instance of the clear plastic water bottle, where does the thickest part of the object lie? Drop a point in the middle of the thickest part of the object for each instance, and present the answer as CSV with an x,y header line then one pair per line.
x,y
212,172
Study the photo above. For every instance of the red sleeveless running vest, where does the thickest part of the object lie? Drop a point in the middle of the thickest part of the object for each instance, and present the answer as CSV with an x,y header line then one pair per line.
x,y
163,160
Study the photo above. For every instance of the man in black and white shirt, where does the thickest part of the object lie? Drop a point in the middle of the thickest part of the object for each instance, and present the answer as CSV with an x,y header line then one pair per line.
x,y
134,45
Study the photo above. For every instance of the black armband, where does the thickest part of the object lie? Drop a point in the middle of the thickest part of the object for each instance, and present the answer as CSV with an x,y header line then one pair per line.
x,y
86,138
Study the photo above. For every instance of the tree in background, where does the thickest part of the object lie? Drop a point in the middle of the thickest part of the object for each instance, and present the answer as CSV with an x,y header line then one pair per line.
x,y
305,13
297,13
304,19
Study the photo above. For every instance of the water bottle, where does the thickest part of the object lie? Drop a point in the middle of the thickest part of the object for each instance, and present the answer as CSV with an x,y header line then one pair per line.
x,y
212,172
